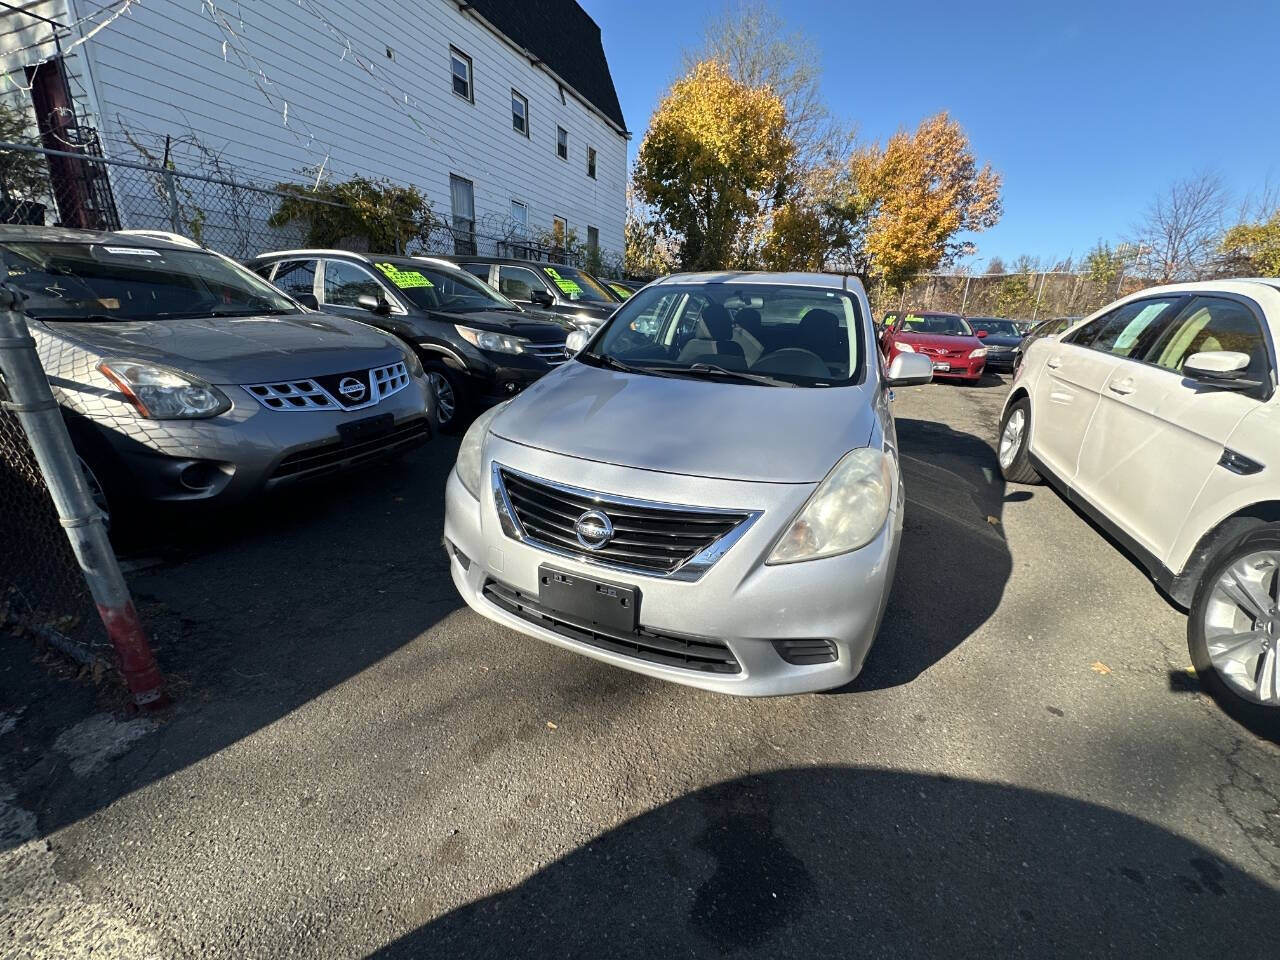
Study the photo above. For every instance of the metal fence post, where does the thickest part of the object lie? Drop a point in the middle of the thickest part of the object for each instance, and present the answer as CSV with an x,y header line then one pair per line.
x,y
171,188
33,404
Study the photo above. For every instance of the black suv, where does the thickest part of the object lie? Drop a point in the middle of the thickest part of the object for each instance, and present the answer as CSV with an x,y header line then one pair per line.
x,y
567,291
477,347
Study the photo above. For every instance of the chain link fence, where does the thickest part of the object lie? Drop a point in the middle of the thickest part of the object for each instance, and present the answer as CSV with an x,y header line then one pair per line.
x,y
42,590
238,218
1039,295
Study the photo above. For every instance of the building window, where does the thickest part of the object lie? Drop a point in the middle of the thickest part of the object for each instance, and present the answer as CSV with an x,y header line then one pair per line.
x,y
562,143
593,241
462,198
519,113
519,218
591,162
460,63
559,230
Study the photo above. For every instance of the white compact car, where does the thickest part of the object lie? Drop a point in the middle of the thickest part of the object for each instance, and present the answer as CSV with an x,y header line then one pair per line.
x,y
1158,416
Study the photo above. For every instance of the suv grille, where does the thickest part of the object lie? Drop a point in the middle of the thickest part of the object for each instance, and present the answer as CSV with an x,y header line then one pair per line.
x,y
650,538
707,656
553,353
339,391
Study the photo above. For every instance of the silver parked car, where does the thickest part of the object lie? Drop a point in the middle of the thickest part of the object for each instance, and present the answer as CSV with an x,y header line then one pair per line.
x,y
708,493
185,377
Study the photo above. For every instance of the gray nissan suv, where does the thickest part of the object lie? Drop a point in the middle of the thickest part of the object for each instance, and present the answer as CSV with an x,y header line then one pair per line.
x,y
184,377
709,492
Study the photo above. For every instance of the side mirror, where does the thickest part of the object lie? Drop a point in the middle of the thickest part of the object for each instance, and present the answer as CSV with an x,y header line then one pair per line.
x,y
308,300
576,340
1219,368
981,334
542,298
373,304
909,370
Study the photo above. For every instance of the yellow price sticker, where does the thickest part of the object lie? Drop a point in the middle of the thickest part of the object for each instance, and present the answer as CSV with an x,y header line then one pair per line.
x,y
404,279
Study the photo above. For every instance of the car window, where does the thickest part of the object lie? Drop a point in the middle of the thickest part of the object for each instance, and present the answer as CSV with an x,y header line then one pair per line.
x,y
480,270
1209,324
518,282
1122,331
296,276
345,283
944,324
431,285
577,285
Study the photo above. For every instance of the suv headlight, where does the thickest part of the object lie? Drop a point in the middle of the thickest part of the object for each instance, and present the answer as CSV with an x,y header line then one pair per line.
x,y
975,354
471,451
491,341
846,511
159,393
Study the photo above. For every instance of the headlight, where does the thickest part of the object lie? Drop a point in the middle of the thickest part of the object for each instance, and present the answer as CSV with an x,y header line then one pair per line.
x,y
975,354
159,393
414,363
904,347
844,513
488,340
470,453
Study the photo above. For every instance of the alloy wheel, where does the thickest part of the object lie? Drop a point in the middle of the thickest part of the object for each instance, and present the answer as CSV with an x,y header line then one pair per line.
x,y
1242,627
446,401
1011,438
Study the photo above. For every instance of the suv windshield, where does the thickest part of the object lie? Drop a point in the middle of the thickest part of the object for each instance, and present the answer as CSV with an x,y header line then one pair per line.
x,y
431,286
995,327
576,285
108,281
741,332
943,324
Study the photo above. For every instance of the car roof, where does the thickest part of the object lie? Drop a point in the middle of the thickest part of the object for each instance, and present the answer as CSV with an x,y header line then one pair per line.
x,y
334,254
836,281
514,261
151,240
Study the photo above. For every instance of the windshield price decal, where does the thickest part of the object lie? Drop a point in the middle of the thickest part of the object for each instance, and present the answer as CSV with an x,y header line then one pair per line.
x,y
568,286
404,279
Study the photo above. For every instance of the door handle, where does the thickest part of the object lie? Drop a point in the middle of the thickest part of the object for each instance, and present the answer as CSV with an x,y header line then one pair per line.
x,y
1053,363
1123,387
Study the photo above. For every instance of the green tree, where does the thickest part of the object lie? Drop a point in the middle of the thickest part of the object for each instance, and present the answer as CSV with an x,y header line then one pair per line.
x,y
23,176
1254,248
386,215
712,153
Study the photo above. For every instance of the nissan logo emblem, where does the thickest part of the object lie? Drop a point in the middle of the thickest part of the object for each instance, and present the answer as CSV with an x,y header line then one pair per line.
x,y
353,389
594,530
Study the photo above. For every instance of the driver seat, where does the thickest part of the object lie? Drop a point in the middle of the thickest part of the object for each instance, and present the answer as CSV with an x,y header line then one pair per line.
x,y
714,337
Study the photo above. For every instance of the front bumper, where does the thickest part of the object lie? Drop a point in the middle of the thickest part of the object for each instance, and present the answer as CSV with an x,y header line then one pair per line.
x,y
960,369
739,602
249,449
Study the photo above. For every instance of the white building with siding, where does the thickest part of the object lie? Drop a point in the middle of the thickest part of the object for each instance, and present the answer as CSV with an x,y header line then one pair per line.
x,y
502,112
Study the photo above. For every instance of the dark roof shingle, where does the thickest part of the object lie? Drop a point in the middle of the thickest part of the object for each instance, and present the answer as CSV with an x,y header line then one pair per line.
x,y
562,35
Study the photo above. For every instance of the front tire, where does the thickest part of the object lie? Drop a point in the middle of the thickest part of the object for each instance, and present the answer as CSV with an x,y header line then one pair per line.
x,y
1015,434
449,396
1233,630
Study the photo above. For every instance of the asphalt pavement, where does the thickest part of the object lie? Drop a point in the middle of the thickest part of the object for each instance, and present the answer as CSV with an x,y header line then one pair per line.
x,y
357,765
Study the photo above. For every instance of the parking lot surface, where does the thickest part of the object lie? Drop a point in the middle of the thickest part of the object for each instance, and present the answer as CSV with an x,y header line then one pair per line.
x,y
357,765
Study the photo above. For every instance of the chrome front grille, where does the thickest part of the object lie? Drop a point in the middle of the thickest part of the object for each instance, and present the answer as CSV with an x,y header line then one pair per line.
x,y
553,353
650,538
327,392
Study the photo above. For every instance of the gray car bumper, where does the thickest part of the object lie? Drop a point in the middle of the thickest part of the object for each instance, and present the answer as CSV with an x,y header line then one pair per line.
x,y
740,602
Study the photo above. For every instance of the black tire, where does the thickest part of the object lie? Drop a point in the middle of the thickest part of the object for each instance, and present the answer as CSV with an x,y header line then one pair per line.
x,y
450,396
1018,469
1261,719
104,475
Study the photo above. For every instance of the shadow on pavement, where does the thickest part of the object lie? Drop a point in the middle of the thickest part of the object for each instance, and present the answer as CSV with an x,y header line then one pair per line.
x,y
954,561
841,861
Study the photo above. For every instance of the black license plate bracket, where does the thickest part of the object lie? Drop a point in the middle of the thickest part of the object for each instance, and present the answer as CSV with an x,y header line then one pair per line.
x,y
367,428
610,606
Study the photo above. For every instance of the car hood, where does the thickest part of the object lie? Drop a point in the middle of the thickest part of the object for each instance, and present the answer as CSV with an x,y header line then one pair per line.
x,y
939,341
508,321
997,340
231,350
694,427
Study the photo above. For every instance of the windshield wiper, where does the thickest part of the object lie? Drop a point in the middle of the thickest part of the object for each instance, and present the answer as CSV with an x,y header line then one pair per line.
x,y
613,363
718,371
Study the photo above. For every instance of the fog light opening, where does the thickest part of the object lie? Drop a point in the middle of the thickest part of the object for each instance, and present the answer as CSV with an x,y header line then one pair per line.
x,y
198,477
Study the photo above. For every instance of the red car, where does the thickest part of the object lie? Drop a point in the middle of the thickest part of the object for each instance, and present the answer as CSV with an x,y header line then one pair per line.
x,y
945,338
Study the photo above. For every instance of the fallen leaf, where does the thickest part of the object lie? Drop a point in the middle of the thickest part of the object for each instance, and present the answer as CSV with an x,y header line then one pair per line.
x,y
994,521
1099,667
551,726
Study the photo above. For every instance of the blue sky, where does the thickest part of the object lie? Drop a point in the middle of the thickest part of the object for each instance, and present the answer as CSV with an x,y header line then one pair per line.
x,y
1086,108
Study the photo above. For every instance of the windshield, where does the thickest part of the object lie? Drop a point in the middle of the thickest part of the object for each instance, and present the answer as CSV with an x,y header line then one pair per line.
x,y
108,281
621,292
752,333
995,327
938,324
430,286
578,286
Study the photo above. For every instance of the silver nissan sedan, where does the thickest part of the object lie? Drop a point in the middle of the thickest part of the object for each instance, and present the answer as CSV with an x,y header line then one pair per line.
x,y
708,493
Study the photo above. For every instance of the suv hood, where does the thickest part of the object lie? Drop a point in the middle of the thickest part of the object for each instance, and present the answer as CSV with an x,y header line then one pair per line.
x,y
235,350
1000,340
695,427
519,324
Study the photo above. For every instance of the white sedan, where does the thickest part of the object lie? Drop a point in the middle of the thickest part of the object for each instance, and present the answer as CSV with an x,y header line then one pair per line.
x,y
1158,417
